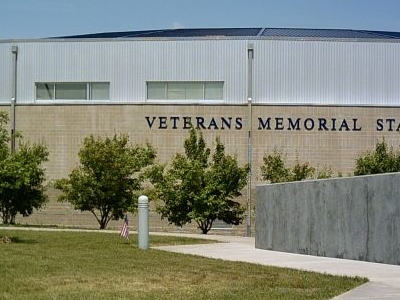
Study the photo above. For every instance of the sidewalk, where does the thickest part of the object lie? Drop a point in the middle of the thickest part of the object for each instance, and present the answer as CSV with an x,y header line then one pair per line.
x,y
384,279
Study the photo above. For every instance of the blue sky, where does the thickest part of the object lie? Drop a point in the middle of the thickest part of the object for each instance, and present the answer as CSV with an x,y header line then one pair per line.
x,y
46,18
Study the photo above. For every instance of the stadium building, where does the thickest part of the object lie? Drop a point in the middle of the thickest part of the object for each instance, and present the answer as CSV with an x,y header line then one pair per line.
x,y
320,96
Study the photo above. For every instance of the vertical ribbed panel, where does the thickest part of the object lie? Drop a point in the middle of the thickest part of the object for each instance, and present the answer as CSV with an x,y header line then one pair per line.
x,y
285,71
6,72
326,72
127,65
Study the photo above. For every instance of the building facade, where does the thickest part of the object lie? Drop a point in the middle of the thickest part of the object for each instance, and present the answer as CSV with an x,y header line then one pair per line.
x,y
320,96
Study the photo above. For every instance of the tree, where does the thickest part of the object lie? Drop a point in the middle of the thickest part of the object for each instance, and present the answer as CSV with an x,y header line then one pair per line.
x,y
200,187
382,160
275,170
21,176
108,178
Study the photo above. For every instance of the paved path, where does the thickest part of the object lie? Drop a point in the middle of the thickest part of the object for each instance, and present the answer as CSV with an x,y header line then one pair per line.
x,y
384,279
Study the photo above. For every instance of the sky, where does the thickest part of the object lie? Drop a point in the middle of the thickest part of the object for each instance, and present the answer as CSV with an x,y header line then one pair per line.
x,y
30,19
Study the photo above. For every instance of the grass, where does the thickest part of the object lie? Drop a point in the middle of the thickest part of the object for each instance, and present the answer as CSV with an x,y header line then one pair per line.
x,y
91,265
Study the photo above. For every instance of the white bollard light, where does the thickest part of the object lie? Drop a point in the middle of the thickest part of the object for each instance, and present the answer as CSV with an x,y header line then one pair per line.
x,y
143,222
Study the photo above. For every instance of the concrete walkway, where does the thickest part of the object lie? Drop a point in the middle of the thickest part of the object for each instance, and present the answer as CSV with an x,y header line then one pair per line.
x,y
384,279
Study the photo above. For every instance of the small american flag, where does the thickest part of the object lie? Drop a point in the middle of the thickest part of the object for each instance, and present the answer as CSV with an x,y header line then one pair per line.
x,y
125,230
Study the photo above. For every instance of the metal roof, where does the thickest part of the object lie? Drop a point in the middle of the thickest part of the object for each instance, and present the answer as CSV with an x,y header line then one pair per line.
x,y
244,32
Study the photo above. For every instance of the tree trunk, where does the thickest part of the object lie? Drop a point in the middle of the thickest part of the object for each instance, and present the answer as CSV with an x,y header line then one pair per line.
x,y
205,226
104,221
204,230
5,216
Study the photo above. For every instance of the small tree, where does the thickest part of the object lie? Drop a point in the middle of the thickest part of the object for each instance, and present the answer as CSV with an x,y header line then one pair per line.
x,y
382,160
200,187
21,176
275,170
108,178
302,171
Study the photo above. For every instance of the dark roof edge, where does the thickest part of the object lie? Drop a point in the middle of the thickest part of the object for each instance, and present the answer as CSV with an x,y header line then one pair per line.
x,y
241,32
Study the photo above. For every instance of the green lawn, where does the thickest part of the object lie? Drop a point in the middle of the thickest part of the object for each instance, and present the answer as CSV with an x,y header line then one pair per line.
x,y
76,265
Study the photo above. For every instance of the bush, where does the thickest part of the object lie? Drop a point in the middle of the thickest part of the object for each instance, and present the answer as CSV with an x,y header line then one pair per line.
x,y
276,170
382,160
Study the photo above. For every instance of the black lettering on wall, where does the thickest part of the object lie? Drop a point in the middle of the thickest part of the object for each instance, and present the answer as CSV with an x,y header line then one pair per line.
x,y
295,125
187,122
226,122
390,121
322,124
379,125
279,124
333,124
212,124
238,123
309,124
174,120
150,122
264,125
200,123
344,125
162,123
355,128
273,123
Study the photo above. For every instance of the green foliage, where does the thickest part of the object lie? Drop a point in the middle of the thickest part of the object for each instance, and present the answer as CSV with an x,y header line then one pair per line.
x,y
108,178
21,176
200,187
382,160
275,170
4,136
325,172
302,171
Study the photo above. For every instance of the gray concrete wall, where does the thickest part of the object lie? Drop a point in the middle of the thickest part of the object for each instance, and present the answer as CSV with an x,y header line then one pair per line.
x,y
353,218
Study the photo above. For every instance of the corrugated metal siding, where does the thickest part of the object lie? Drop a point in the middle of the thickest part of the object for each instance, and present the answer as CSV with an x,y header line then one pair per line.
x,y
127,65
285,72
6,71
318,72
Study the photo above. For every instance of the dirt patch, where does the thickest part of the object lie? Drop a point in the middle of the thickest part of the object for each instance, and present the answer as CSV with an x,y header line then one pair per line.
x,y
6,240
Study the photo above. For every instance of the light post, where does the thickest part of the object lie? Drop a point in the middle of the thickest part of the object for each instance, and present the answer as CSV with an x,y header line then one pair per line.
x,y
250,57
14,51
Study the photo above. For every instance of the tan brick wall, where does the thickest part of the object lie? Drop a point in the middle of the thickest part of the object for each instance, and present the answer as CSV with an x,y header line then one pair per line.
x,y
63,128
337,148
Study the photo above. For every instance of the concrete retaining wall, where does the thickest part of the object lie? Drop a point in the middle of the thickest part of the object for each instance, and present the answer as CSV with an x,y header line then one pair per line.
x,y
353,218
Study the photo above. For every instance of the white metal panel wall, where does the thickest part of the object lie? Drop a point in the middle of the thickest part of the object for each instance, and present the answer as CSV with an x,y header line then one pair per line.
x,y
6,72
327,72
285,72
128,64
